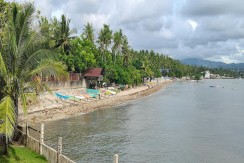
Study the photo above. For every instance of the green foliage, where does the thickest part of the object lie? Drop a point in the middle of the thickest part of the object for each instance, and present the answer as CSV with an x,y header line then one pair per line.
x,y
88,33
104,41
3,71
49,67
22,155
7,116
81,55
126,52
197,77
157,73
24,55
134,76
117,44
4,11
61,33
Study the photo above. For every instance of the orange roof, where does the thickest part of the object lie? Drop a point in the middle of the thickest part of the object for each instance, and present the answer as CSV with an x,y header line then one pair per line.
x,y
93,72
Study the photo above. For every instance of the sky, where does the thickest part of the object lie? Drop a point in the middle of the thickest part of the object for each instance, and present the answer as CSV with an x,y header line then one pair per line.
x,y
205,29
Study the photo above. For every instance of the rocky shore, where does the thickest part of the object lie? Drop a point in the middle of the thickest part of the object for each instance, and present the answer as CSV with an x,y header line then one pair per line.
x,y
48,108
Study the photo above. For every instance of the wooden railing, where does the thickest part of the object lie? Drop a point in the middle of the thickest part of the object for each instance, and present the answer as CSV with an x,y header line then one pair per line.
x,y
52,155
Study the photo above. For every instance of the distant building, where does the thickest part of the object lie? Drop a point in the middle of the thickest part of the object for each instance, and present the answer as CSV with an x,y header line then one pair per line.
x,y
207,75
214,76
164,71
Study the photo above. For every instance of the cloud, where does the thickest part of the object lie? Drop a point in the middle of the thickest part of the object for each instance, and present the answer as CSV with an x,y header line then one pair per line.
x,y
207,29
192,23
212,7
139,10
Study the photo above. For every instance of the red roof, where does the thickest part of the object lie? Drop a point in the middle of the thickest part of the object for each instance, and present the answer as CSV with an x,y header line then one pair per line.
x,y
94,72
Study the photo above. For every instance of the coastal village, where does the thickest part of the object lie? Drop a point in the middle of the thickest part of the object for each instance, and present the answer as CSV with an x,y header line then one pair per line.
x,y
79,95
87,88
208,75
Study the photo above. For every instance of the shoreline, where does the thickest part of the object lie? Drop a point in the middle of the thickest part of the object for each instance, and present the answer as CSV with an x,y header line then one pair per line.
x,y
68,110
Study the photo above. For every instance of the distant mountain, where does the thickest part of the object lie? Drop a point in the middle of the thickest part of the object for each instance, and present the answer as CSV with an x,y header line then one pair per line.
x,y
212,64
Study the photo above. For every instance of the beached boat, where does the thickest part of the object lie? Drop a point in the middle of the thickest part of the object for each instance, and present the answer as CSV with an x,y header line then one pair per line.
x,y
93,92
61,96
79,97
110,92
214,86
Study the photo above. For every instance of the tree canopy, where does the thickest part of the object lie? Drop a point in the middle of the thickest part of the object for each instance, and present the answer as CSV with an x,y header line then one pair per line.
x,y
23,57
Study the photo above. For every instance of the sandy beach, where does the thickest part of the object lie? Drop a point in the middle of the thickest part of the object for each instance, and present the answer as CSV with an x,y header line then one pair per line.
x,y
48,107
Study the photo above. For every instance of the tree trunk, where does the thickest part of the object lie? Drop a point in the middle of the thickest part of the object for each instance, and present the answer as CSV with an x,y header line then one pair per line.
x,y
16,107
4,145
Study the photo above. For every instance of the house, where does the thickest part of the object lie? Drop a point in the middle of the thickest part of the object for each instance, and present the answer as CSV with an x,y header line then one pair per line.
x,y
207,75
93,77
90,79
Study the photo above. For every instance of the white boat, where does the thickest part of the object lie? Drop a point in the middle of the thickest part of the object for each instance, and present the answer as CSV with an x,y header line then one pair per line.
x,y
214,86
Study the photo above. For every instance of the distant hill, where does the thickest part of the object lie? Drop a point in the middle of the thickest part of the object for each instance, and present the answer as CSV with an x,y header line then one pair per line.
x,y
212,64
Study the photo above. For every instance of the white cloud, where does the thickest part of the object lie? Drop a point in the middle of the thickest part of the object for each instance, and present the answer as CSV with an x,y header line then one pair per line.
x,y
192,23
207,29
57,13
97,20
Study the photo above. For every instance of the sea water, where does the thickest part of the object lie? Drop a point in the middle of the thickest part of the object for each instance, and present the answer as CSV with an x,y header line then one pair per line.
x,y
185,122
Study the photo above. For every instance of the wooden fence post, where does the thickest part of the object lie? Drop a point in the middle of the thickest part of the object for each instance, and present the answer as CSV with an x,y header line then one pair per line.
x,y
59,148
27,129
41,138
116,158
26,133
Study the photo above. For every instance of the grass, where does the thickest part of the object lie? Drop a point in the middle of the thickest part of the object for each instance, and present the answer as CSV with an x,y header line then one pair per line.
x,y
19,154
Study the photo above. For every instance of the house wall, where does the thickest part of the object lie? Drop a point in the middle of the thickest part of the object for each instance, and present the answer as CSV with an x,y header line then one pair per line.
x,y
57,85
74,80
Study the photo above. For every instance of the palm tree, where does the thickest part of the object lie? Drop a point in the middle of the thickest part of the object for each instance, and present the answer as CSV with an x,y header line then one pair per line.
x,y
88,32
126,51
24,57
62,33
118,40
4,7
104,40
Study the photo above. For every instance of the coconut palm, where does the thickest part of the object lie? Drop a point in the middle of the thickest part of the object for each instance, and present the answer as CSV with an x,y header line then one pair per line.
x,y
4,7
88,32
117,42
62,33
24,57
125,51
104,40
